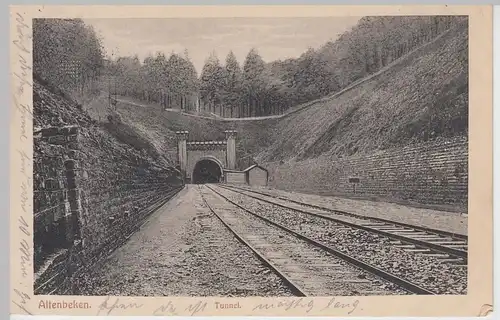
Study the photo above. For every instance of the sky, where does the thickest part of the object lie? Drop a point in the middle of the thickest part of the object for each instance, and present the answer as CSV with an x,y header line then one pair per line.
x,y
274,38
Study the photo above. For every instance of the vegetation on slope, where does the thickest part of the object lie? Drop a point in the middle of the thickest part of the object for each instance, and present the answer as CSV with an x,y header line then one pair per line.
x,y
421,97
55,107
68,54
257,88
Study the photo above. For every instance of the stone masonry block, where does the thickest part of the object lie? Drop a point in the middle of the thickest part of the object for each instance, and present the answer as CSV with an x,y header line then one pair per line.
x,y
53,131
69,130
71,182
70,164
57,140
72,146
72,138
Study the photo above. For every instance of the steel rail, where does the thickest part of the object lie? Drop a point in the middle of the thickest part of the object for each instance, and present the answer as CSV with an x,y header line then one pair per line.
x,y
436,247
407,285
296,289
457,236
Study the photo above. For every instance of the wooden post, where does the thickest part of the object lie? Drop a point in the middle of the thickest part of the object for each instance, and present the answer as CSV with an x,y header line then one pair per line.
x,y
354,181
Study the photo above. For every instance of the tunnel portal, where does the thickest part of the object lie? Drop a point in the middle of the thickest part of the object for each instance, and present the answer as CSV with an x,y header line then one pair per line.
x,y
207,171
205,161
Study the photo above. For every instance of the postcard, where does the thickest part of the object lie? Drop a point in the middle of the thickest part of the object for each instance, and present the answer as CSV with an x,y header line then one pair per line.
x,y
251,160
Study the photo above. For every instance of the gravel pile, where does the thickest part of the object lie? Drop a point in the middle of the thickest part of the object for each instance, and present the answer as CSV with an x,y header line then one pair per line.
x,y
314,270
428,272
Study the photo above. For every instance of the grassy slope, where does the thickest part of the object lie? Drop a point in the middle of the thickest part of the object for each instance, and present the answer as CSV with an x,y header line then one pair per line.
x,y
423,96
159,126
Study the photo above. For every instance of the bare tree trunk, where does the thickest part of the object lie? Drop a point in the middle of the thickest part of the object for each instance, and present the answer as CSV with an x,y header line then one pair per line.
x,y
247,107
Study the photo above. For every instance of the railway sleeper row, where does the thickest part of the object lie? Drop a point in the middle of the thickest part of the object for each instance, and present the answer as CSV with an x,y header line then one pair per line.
x,y
412,239
308,266
455,236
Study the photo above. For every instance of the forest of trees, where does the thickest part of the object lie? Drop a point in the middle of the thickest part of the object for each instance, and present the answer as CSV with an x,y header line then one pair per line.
x,y
67,53
255,88
169,81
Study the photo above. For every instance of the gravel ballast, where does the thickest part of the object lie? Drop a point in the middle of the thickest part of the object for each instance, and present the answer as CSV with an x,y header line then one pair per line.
x,y
428,272
313,269
183,250
454,222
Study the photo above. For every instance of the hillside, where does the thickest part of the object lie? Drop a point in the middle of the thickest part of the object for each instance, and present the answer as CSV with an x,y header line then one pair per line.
x,y
159,127
420,97
93,185
55,107
423,96
413,107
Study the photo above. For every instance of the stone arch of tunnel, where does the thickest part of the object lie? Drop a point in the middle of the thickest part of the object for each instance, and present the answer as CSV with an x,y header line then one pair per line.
x,y
205,161
207,170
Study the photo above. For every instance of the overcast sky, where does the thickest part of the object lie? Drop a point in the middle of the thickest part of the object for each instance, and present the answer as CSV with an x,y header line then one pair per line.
x,y
274,38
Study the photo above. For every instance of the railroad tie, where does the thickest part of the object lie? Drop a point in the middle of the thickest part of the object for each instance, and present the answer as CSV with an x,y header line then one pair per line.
x,y
374,293
451,260
418,250
435,255
406,246
350,281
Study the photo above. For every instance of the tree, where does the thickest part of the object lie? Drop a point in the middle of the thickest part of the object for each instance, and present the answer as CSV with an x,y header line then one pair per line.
x,y
182,79
212,82
67,52
260,88
233,76
253,68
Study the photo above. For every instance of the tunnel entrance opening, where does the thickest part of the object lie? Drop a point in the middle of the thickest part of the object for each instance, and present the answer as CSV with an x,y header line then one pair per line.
x,y
207,171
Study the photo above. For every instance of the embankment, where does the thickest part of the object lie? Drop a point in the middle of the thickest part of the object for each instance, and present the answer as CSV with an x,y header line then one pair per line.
x,y
91,189
403,133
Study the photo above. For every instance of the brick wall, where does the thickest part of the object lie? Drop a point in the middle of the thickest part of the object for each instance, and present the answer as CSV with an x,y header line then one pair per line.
x,y
115,186
90,192
55,216
54,201
429,173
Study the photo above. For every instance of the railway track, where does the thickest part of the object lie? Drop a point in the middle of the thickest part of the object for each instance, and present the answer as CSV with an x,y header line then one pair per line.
x,y
307,266
449,247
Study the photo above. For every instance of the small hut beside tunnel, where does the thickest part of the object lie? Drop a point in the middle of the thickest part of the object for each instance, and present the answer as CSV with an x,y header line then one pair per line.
x,y
254,175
